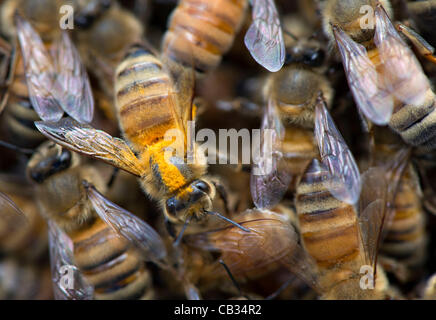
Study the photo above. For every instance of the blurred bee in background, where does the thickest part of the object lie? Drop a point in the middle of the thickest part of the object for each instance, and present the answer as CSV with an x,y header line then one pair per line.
x,y
47,78
211,27
103,244
23,271
104,31
142,82
404,239
387,81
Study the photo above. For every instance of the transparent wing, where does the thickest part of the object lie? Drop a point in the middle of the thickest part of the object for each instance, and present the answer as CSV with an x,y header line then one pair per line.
x,y
68,281
73,90
402,73
264,38
40,72
372,99
11,216
129,226
379,186
95,143
337,157
270,178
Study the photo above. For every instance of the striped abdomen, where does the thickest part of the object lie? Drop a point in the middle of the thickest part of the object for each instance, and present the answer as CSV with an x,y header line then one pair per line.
x,y
209,28
329,227
144,98
110,263
415,123
298,149
19,114
406,239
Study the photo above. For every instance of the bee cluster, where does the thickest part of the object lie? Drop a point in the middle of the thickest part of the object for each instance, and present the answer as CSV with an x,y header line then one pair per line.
x,y
114,182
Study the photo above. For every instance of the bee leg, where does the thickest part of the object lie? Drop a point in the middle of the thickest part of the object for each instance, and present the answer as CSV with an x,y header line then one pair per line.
x,y
170,228
223,195
422,46
112,178
235,283
276,293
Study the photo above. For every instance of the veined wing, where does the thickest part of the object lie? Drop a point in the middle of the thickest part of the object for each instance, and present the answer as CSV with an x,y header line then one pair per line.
x,y
337,157
73,90
69,282
402,72
270,178
124,223
40,72
264,38
95,143
374,101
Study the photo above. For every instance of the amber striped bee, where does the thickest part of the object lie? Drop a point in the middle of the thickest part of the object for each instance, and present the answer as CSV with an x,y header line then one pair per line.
x,y
38,74
386,79
211,27
103,245
150,105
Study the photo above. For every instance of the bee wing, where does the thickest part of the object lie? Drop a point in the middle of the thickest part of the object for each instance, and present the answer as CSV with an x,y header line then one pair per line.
x,y
379,185
10,215
402,73
40,72
271,239
374,101
69,282
337,157
73,89
264,38
128,226
86,140
270,178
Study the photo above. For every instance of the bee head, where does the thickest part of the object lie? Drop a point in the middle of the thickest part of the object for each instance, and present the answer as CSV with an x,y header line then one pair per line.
x,y
49,159
194,200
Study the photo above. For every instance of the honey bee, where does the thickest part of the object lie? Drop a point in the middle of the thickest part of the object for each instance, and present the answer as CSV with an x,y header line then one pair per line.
x,y
38,74
149,104
404,242
387,81
23,232
292,95
103,244
104,32
211,27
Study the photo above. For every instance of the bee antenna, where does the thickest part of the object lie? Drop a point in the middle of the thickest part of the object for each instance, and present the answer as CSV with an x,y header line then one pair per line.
x,y
235,283
228,220
16,148
179,237
290,34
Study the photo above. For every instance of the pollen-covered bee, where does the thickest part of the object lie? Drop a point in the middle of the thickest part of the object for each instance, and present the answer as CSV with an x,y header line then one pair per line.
x,y
45,78
212,26
386,79
103,245
153,112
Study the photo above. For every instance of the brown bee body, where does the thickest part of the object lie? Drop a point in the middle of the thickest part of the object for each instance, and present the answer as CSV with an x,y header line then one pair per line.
x,y
210,26
331,236
107,261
